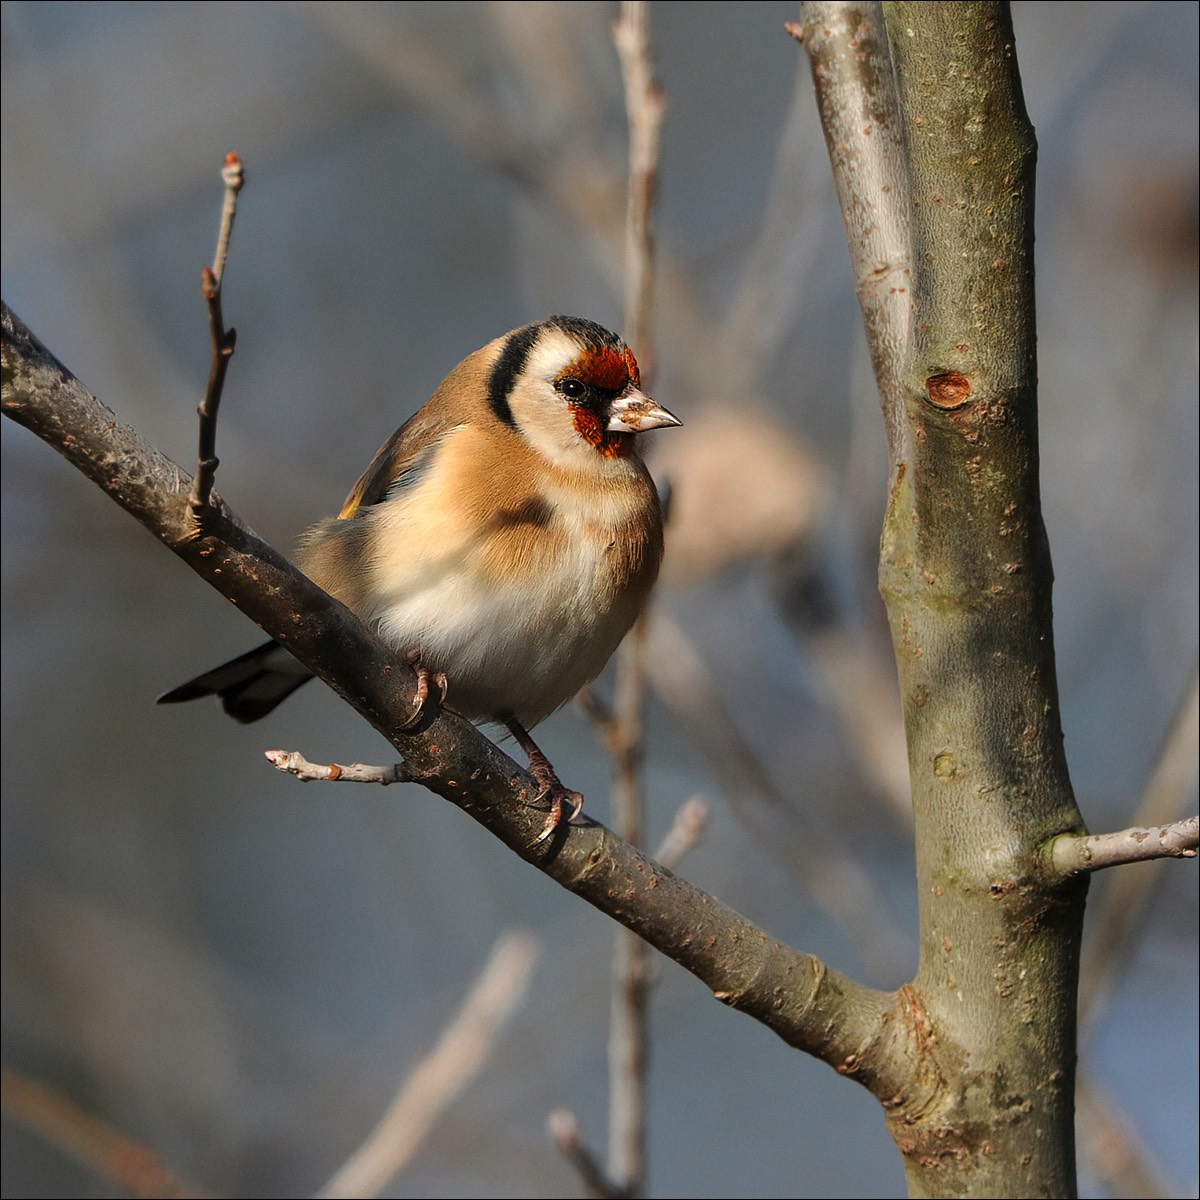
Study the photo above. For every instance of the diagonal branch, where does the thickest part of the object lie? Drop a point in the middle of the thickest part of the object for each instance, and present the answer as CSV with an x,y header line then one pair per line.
x,y
796,995
563,1127
134,1168
460,1054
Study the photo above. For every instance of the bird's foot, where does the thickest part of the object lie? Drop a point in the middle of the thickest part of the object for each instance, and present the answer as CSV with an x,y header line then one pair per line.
x,y
559,796
423,692
552,788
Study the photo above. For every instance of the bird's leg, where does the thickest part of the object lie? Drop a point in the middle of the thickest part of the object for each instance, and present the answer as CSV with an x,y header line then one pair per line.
x,y
424,675
548,780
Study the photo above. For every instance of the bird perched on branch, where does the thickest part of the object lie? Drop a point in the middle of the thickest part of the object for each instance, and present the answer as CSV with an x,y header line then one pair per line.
x,y
503,539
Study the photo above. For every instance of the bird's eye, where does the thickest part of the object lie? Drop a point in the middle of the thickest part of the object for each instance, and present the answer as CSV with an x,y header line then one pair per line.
x,y
573,389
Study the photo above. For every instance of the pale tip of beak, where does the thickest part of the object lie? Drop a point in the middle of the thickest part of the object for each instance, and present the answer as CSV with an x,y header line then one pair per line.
x,y
636,412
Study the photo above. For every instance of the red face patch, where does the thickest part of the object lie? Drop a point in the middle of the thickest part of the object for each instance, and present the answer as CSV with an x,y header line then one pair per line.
x,y
609,370
610,443
606,368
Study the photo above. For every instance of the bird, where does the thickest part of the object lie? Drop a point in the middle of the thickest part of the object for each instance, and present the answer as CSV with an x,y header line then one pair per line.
x,y
502,541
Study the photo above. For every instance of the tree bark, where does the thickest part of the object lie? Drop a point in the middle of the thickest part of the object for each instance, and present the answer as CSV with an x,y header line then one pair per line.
x,y
966,577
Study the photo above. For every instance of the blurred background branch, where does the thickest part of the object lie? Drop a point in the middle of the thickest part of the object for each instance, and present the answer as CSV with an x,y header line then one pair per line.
x,y
462,1051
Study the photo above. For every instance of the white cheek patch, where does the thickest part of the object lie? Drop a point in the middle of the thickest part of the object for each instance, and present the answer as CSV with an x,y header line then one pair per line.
x,y
550,354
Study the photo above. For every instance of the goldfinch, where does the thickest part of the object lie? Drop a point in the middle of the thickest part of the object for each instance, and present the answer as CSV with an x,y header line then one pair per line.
x,y
503,539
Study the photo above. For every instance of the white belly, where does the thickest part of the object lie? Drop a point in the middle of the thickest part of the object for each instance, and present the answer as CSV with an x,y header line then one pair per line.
x,y
518,647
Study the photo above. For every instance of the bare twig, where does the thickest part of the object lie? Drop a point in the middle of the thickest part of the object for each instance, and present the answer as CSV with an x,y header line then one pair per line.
x,y
93,1143
837,881
628,1052
600,713
1121,907
628,1062
223,340
1072,854
687,831
459,1056
294,763
234,175
644,105
628,1044
1110,1147
563,1127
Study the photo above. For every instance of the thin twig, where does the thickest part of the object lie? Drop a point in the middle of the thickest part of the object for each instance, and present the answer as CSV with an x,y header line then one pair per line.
x,y
437,1081
88,1140
837,880
1072,854
688,830
563,1127
294,763
234,175
628,1053
644,106
1120,909
600,713
1110,1148
223,340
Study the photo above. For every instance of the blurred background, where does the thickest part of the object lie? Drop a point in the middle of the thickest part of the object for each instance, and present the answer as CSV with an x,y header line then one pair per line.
x,y
238,971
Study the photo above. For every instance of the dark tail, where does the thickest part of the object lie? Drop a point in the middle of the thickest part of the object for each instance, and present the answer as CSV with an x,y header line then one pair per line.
x,y
249,686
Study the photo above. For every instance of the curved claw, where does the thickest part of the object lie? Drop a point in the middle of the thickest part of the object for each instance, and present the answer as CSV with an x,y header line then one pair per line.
x,y
551,786
421,696
555,817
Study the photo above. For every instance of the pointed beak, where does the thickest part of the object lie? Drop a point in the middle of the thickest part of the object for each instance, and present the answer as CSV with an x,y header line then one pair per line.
x,y
635,412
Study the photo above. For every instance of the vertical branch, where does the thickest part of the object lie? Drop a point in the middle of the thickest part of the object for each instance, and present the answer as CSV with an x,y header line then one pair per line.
x,y
223,340
628,1054
864,133
628,1043
644,104
234,176
935,155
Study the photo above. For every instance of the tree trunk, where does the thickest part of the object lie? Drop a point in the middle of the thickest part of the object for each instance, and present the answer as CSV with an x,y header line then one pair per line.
x,y
935,158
